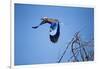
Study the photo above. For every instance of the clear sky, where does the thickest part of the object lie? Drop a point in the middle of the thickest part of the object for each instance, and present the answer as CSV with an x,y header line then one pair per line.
x,y
33,46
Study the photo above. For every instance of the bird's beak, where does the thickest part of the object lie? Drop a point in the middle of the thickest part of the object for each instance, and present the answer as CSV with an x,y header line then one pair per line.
x,y
41,19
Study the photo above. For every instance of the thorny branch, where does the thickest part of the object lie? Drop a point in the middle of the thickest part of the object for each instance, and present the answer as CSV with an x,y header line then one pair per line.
x,y
82,52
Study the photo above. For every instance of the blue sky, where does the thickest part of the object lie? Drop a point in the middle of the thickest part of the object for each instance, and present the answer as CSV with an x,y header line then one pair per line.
x,y
33,46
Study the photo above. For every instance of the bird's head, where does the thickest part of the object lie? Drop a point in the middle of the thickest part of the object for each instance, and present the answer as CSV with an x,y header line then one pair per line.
x,y
44,18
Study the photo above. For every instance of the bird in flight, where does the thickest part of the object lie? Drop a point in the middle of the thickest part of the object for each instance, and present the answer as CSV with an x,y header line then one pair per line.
x,y
54,28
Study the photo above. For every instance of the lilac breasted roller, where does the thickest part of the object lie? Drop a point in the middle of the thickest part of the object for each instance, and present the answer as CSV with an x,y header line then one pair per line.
x,y
54,28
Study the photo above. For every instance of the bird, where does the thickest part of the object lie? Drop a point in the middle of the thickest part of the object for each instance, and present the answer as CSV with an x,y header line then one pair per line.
x,y
54,28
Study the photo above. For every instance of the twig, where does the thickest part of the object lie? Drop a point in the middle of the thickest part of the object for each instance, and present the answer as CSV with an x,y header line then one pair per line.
x,y
65,51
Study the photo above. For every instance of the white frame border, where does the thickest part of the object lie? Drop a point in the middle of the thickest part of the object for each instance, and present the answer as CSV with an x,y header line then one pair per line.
x,y
40,2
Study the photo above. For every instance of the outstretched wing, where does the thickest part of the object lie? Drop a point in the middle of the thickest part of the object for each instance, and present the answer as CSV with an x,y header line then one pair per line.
x,y
43,22
54,33
35,27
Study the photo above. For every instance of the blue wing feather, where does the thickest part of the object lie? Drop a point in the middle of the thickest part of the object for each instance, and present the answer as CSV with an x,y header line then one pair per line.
x,y
54,37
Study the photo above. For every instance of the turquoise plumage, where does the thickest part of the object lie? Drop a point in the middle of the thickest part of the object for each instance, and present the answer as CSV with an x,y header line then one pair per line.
x,y
54,28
